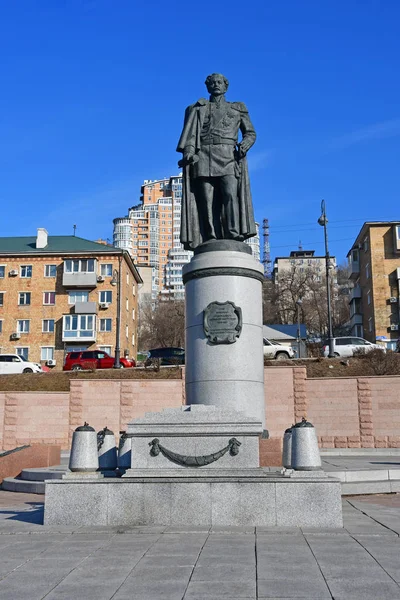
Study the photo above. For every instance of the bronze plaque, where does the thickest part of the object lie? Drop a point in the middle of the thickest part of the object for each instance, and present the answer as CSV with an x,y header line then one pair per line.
x,y
222,322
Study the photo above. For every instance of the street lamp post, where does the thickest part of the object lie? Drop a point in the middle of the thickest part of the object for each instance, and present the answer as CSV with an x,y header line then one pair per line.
x,y
116,281
323,222
299,302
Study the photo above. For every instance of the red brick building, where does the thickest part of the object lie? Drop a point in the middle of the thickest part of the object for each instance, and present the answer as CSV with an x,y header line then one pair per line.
x,y
60,293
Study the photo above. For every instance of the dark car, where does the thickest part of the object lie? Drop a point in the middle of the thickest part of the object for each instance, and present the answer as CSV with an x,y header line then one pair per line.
x,y
93,359
165,356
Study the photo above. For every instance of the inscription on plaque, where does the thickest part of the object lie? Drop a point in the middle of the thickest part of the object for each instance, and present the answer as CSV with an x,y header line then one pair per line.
x,y
222,322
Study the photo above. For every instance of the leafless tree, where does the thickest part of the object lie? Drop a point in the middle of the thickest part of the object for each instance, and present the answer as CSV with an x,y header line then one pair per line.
x,y
309,286
162,324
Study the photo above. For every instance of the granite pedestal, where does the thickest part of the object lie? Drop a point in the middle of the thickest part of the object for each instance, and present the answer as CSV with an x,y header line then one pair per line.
x,y
230,490
229,375
199,465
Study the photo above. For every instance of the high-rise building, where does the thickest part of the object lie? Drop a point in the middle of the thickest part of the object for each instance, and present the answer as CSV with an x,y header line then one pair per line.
x,y
254,243
150,232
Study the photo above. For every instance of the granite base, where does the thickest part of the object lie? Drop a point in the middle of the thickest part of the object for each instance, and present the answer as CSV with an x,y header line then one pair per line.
x,y
210,498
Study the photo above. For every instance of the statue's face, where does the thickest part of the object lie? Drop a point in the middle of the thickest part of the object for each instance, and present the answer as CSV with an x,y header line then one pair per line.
x,y
216,85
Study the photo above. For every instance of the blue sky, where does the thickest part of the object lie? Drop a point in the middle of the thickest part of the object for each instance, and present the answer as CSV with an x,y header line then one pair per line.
x,y
94,91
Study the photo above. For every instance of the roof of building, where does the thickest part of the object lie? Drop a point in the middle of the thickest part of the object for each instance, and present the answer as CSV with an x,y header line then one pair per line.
x,y
55,244
302,253
61,244
291,257
365,228
284,332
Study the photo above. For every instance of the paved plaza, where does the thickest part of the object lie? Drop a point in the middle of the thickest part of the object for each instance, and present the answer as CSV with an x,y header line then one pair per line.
x,y
154,563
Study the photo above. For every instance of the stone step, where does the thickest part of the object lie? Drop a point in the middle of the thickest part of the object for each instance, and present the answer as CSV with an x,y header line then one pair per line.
x,y
13,484
43,473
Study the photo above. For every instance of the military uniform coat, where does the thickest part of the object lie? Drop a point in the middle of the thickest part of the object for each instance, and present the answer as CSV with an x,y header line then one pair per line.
x,y
210,132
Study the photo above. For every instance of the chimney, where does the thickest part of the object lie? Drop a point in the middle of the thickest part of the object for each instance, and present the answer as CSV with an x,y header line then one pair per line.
x,y
41,239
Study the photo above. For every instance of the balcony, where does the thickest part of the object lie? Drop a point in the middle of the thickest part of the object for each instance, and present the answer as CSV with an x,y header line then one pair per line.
x,y
84,280
354,269
356,319
78,328
79,272
355,293
85,308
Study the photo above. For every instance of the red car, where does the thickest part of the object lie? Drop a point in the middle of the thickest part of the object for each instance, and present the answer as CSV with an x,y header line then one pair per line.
x,y
93,359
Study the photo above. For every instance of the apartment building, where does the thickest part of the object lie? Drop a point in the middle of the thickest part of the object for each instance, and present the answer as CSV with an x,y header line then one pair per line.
x,y
151,234
60,293
374,261
301,261
151,230
254,243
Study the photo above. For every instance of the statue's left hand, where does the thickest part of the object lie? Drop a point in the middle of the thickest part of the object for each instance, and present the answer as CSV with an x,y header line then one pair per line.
x,y
242,150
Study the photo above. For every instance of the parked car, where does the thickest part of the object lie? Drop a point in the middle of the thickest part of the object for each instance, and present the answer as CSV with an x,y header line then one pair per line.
x,y
14,363
93,359
346,346
276,350
165,356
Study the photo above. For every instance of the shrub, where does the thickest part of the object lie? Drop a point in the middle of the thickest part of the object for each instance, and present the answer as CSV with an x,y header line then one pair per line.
x,y
381,363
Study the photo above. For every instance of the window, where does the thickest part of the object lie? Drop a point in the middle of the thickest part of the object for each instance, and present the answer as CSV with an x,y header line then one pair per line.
x,y
343,341
127,278
78,296
133,314
1,298
354,255
50,270
105,296
359,330
127,304
2,271
26,271
365,244
370,324
369,297
106,270
79,326
48,326
47,353
23,326
24,298
133,339
106,349
1,326
127,331
105,324
23,352
367,271
49,298
398,232
79,266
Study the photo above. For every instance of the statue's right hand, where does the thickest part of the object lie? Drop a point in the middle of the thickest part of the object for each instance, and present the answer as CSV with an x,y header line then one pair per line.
x,y
188,157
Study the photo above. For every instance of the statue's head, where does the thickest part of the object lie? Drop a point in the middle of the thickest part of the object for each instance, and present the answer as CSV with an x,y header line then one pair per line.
x,y
216,84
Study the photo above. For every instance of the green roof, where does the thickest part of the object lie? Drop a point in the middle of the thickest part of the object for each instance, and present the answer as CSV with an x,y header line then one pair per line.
x,y
56,244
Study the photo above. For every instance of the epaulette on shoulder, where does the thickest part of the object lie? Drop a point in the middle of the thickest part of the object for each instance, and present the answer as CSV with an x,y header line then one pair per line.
x,y
201,101
239,106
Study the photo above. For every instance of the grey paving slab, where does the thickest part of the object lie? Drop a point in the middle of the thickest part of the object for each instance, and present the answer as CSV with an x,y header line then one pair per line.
x,y
294,588
223,572
134,589
206,590
363,589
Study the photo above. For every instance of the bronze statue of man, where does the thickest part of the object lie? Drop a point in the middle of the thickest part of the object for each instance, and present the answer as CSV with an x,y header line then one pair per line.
x,y
216,201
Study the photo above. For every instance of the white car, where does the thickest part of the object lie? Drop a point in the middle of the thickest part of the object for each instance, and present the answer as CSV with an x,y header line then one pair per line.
x,y
13,363
275,350
346,346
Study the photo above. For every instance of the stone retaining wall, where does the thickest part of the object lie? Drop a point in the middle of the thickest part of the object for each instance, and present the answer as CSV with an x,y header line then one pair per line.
x,y
361,412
